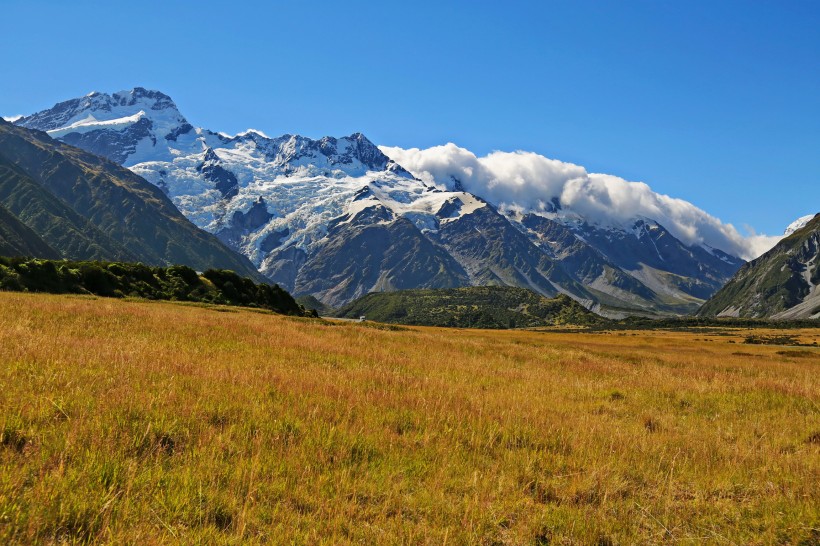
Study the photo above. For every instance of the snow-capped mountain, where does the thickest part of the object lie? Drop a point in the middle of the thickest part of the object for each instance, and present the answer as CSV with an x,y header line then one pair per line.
x,y
337,218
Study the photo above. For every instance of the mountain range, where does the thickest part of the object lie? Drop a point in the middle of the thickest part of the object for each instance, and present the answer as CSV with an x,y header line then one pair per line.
x,y
336,218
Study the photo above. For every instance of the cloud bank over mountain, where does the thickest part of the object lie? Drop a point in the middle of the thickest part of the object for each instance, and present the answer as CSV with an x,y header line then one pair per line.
x,y
528,181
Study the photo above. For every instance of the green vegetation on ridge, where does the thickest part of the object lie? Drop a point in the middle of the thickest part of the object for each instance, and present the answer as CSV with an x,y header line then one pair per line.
x,y
501,307
17,239
471,307
179,283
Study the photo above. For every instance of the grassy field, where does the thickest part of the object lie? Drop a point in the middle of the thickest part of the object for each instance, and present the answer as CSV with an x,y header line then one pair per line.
x,y
144,423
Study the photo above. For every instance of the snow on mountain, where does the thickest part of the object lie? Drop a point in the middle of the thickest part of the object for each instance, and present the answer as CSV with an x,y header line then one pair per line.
x,y
127,127
303,185
798,224
302,191
91,123
103,107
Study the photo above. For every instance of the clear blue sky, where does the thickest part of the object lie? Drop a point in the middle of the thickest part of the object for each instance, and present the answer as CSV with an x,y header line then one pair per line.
x,y
716,102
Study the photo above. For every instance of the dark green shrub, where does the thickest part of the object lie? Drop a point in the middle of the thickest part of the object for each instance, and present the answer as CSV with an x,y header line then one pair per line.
x,y
185,273
97,280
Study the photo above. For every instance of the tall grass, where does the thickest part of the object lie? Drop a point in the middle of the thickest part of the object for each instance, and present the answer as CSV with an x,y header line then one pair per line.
x,y
130,422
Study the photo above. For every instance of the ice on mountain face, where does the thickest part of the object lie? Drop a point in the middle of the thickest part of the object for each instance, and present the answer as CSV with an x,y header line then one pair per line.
x,y
258,193
798,224
90,123
301,197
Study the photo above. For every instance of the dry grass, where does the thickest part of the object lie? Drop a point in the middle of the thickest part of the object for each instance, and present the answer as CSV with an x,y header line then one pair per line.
x,y
129,422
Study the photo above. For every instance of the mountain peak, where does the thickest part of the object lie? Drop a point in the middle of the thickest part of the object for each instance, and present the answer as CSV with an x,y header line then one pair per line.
x,y
102,107
122,120
798,224
157,99
363,149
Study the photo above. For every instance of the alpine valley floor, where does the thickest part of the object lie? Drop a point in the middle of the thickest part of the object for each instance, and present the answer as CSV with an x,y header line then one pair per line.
x,y
131,422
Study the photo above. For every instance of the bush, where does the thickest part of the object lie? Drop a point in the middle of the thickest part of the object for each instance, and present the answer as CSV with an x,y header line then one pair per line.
x,y
185,273
98,280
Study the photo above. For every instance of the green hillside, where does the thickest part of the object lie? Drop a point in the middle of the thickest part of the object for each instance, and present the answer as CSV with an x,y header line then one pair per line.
x,y
17,239
61,227
311,303
470,307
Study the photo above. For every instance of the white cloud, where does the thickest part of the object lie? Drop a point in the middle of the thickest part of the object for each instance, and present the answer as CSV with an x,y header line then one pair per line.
x,y
529,181
11,119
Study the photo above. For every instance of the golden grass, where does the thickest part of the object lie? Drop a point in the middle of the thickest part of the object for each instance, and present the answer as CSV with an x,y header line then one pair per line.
x,y
141,423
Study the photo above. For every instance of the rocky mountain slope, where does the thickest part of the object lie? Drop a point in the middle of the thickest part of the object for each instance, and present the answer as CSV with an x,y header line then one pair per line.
x,y
85,207
781,284
336,218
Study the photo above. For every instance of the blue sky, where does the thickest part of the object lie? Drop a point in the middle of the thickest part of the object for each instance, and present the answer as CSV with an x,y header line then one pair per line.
x,y
714,102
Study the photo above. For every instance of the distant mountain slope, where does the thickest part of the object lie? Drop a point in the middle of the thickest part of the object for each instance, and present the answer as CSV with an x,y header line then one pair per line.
x,y
470,307
360,256
312,304
70,233
88,207
781,284
17,239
